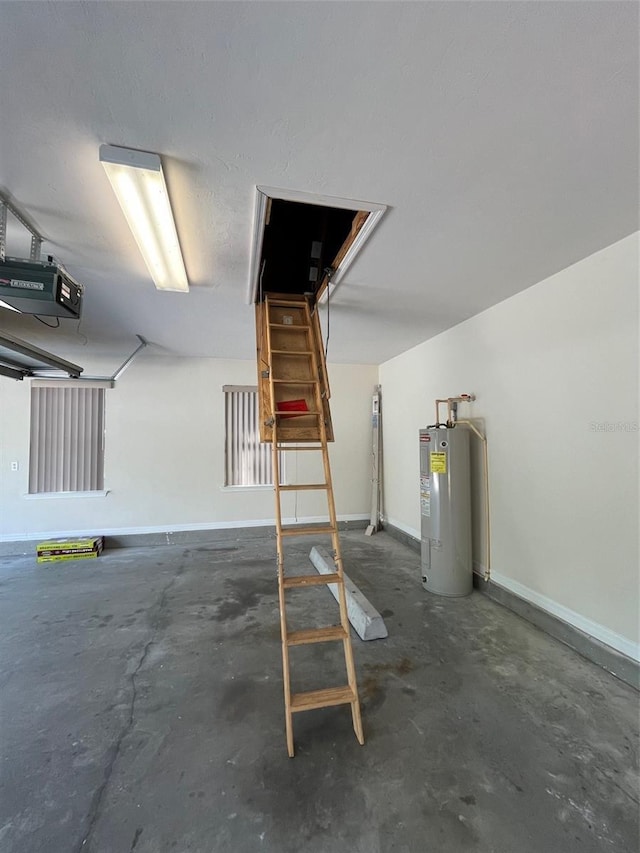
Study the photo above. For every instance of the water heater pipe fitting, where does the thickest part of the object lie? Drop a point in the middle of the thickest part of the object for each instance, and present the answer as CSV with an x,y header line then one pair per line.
x,y
463,398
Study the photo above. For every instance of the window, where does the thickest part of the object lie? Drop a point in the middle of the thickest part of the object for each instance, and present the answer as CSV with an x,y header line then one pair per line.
x,y
67,439
248,460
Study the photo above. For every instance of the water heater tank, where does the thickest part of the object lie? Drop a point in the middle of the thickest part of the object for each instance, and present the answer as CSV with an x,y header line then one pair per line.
x,y
445,511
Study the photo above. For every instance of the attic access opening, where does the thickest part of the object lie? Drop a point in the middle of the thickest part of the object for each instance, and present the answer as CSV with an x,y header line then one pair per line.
x,y
298,237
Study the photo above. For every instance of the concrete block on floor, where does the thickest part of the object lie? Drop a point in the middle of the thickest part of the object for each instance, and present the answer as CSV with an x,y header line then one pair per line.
x,y
365,619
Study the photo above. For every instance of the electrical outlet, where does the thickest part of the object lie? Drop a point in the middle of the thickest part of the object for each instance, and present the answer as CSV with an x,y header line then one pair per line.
x,y
14,466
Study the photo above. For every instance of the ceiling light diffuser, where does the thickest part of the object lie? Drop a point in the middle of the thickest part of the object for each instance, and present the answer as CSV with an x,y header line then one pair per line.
x,y
138,182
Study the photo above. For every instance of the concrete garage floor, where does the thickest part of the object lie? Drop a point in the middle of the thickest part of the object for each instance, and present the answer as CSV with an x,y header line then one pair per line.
x,y
141,710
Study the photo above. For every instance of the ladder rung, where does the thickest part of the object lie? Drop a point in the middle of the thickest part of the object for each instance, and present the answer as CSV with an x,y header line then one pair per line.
x,y
292,326
322,698
316,635
303,487
298,303
310,580
298,413
297,381
303,530
292,351
289,449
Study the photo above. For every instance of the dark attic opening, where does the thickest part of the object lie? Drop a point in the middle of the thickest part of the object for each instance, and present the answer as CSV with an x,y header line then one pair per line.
x,y
303,244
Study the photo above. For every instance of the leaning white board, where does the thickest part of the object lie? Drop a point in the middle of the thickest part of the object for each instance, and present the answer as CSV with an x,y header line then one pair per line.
x,y
366,621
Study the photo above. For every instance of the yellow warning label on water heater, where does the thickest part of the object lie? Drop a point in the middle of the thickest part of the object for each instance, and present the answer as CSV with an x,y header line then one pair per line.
x,y
438,463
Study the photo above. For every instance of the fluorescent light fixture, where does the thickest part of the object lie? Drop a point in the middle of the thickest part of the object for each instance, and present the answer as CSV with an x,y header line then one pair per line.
x,y
138,182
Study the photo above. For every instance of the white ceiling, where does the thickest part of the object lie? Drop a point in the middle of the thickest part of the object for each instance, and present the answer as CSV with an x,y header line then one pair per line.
x,y
503,137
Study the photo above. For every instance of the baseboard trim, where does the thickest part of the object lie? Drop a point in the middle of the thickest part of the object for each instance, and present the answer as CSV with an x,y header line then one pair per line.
x,y
177,534
598,644
581,623
622,666
403,534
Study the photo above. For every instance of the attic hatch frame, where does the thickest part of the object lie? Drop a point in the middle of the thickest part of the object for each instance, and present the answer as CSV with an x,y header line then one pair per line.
x,y
346,255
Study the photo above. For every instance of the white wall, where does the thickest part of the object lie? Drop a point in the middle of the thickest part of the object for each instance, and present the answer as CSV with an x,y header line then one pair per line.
x,y
164,465
555,371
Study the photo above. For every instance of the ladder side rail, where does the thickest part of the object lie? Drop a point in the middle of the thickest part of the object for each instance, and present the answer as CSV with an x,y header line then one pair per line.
x,y
335,538
321,360
279,545
262,348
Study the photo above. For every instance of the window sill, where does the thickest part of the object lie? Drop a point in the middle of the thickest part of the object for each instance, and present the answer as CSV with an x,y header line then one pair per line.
x,y
246,488
50,495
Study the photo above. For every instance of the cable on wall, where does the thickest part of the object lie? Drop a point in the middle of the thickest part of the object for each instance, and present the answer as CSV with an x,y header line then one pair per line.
x,y
48,325
329,272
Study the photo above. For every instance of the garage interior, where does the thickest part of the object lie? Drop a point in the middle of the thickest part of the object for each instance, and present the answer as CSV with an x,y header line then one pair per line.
x,y
452,189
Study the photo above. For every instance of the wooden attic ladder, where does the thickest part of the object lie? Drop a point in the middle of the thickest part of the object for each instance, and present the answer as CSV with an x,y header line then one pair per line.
x,y
295,416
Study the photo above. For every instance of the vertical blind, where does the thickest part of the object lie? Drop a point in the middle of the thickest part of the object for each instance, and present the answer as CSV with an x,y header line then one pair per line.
x,y
248,461
67,440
